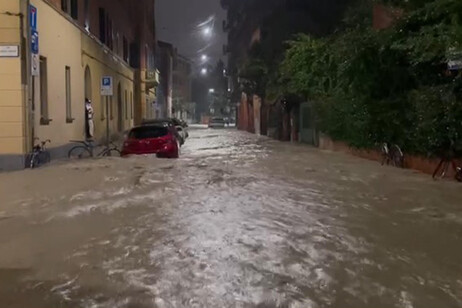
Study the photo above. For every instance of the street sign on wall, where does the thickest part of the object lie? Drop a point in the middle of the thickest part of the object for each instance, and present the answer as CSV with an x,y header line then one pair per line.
x,y
35,65
9,51
34,42
33,17
107,86
34,36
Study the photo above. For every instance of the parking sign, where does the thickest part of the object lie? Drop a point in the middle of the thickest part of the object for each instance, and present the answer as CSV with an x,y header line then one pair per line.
x,y
107,86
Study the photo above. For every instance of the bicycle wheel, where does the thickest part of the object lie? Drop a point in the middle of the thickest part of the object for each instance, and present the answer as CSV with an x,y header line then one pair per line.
x,y
111,153
459,174
441,170
79,152
34,161
398,156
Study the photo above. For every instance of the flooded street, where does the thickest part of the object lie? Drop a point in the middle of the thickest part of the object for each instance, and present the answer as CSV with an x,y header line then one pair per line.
x,y
238,221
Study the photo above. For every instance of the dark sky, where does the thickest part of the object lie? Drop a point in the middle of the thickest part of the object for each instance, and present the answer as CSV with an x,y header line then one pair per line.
x,y
178,23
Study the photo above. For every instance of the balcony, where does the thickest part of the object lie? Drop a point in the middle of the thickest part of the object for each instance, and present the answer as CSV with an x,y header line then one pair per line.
x,y
152,78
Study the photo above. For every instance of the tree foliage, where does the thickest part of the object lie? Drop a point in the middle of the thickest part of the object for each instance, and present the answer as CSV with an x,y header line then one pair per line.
x,y
391,85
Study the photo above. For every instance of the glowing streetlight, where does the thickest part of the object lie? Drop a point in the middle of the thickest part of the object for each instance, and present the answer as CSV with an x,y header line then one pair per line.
x,y
204,71
204,58
211,90
207,31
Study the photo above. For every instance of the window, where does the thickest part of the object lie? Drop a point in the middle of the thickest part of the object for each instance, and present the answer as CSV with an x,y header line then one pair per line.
x,y
117,43
102,25
126,104
146,50
74,9
65,5
87,15
131,105
70,7
110,34
125,54
69,118
44,120
148,132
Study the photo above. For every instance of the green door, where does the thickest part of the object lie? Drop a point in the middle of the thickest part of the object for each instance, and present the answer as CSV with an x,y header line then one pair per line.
x,y
307,127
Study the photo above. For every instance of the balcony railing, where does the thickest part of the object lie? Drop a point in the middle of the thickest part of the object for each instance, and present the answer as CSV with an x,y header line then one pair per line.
x,y
152,77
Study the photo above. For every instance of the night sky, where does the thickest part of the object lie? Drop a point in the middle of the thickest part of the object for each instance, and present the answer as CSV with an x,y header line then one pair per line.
x,y
178,23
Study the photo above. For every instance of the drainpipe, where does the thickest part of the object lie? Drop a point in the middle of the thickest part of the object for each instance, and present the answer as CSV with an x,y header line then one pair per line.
x,y
30,86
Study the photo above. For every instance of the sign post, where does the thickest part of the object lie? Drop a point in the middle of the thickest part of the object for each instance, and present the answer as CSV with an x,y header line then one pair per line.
x,y
34,61
107,90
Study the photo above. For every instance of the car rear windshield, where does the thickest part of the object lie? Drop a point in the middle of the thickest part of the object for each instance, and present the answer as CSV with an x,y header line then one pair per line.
x,y
148,132
157,122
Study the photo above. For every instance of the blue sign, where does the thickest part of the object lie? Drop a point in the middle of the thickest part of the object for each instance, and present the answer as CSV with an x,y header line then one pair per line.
x,y
34,42
33,17
107,86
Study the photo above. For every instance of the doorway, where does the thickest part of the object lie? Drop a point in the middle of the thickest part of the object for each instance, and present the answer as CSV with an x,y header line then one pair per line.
x,y
120,118
88,95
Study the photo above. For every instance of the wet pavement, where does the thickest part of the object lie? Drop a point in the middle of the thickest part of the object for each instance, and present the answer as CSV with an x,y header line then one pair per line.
x,y
238,221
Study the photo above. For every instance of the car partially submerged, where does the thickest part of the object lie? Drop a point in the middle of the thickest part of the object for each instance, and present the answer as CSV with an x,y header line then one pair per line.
x,y
160,140
178,125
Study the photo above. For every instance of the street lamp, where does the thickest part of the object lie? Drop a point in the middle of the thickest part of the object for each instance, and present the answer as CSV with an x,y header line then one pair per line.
x,y
211,90
204,71
204,58
207,31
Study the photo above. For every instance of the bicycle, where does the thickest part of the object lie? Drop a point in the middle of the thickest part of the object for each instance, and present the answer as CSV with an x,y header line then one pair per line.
x,y
392,154
87,148
39,154
443,167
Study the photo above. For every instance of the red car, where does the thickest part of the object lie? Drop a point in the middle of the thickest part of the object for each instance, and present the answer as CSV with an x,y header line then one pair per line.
x,y
152,139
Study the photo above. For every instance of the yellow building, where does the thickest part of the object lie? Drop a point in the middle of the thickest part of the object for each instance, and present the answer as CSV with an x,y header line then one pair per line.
x,y
12,84
42,96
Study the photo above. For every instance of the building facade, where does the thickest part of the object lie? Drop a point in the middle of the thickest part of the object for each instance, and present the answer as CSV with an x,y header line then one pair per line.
x,y
165,60
65,47
262,27
183,107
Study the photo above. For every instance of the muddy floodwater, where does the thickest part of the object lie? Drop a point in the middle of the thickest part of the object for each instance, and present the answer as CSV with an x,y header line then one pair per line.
x,y
238,221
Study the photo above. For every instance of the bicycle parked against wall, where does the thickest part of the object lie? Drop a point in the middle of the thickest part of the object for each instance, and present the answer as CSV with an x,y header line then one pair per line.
x,y
392,154
448,159
443,167
39,155
87,150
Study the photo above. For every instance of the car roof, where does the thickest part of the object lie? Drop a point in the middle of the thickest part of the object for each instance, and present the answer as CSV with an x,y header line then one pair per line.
x,y
157,121
162,122
149,125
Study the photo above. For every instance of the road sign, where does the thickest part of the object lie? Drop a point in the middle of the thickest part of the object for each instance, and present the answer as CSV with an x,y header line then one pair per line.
x,y
33,17
34,42
35,65
107,86
10,51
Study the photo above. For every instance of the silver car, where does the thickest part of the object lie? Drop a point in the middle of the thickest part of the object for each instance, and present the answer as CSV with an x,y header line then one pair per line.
x,y
217,123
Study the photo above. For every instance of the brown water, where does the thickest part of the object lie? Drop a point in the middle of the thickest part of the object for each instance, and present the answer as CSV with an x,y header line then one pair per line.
x,y
238,221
